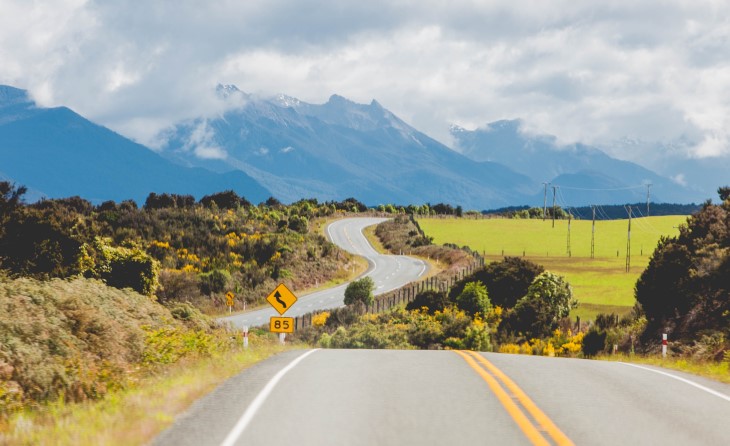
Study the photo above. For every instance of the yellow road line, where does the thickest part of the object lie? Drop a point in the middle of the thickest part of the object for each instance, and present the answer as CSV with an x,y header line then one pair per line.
x,y
510,406
545,422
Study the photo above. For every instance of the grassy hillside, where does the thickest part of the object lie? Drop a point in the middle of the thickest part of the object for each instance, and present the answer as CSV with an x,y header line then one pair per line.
x,y
600,284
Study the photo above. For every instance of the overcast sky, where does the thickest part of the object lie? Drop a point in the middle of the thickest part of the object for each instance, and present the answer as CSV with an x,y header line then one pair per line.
x,y
590,71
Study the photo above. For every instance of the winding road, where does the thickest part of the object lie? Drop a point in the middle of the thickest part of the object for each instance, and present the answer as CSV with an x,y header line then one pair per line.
x,y
389,397
387,271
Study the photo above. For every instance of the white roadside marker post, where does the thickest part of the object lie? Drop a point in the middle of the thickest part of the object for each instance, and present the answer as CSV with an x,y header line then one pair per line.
x,y
664,345
282,338
245,336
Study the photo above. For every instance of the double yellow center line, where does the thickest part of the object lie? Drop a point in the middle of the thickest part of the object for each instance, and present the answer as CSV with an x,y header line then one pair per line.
x,y
533,431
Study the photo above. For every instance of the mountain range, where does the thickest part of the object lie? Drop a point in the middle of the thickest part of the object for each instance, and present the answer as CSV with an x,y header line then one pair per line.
x,y
290,149
57,153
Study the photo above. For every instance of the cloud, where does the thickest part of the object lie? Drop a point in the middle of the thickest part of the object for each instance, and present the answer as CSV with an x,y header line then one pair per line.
x,y
595,72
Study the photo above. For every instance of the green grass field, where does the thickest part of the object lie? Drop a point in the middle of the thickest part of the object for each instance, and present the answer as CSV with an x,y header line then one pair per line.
x,y
600,284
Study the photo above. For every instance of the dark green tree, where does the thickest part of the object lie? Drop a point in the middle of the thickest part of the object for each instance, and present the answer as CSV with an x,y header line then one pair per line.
x,y
360,291
474,299
549,299
507,280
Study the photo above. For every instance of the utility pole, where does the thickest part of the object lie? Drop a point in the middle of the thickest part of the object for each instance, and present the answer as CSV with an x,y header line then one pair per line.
x,y
593,234
570,216
554,187
544,201
628,243
648,194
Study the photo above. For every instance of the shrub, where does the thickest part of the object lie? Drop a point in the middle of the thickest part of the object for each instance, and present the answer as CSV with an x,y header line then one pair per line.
x,y
320,319
128,268
474,299
432,300
594,342
215,281
360,291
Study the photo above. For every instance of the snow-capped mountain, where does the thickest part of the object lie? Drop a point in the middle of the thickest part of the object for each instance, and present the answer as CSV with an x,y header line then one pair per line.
x,y
585,174
340,149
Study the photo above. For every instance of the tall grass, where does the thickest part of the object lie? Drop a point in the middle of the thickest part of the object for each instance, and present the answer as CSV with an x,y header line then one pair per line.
x,y
137,414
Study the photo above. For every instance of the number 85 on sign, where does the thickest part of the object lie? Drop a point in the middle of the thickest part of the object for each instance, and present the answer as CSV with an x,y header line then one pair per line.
x,y
281,325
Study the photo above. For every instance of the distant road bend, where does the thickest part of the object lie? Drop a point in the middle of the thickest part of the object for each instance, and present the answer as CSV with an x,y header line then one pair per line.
x,y
387,271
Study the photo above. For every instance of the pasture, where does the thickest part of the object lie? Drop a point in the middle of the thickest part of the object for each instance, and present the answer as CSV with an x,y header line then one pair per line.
x,y
601,284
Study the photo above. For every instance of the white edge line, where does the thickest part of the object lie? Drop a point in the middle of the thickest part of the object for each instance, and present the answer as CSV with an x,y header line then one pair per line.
x,y
684,380
259,401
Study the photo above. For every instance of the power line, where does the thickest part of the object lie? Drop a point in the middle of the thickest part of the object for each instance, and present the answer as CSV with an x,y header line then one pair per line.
x,y
603,189
628,243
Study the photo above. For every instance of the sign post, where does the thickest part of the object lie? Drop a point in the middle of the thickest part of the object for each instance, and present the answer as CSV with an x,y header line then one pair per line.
x,y
281,299
664,345
229,301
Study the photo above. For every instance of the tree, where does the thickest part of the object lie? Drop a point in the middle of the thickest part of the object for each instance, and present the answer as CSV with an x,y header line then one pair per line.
x,y
11,199
685,289
225,200
549,299
724,193
360,291
474,299
507,281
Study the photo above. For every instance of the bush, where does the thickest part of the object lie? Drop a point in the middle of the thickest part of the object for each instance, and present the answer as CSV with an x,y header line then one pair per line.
x,y
432,300
128,268
215,281
474,299
594,342
360,291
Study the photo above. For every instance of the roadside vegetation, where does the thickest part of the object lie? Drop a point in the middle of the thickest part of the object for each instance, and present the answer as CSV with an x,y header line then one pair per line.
x,y
85,363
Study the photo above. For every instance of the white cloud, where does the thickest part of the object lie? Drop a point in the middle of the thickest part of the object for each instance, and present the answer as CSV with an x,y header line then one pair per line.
x,y
202,143
596,72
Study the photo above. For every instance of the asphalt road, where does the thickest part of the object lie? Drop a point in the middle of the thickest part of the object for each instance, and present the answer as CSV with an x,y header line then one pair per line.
x,y
385,397
387,271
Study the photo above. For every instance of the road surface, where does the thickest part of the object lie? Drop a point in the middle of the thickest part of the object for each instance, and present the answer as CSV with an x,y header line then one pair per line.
x,y
385,397
387,271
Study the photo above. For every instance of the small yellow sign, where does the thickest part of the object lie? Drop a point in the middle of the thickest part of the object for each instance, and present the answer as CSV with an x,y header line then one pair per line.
x,y
281,298
229,298
281,324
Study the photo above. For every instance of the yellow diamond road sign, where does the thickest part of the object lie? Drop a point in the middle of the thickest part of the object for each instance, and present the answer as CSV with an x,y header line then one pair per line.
x,y
281,298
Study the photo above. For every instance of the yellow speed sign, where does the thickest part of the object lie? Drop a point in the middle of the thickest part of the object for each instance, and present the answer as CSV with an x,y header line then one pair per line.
x,y
281,324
